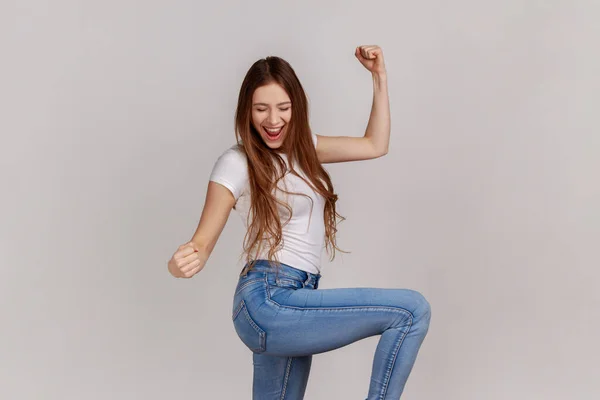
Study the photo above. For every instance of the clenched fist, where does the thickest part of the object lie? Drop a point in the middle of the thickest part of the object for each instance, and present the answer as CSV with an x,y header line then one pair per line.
x,y
187,261
371,57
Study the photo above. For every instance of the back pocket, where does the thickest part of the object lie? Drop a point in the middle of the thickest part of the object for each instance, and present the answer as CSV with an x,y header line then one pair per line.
x,y
247,330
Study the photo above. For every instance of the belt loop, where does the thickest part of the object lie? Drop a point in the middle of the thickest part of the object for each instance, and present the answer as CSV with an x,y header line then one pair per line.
x,y
307,281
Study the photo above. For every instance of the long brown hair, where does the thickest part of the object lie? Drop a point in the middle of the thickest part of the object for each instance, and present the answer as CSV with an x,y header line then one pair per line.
x,y
264,223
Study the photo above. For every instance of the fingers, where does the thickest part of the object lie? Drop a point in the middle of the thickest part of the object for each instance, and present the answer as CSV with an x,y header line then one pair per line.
x,y
183,261
188,270
192,272
186,261
187,248
190,266
368,52
185,253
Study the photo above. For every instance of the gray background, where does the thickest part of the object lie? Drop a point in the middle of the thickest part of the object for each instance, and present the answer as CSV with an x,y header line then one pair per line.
x,y
113,113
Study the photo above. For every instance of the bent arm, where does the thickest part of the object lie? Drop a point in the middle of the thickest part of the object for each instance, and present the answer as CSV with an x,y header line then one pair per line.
x,y
217,207
374,143
378,128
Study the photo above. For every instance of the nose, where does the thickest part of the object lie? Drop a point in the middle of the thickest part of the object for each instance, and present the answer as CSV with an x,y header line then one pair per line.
x,y
272,119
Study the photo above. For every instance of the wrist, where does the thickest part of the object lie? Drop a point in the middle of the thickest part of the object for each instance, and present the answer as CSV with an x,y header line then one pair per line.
x,y
380,76
379,82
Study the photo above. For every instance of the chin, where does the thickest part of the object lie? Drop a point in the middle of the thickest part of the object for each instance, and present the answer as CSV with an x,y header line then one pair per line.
x,y
273,145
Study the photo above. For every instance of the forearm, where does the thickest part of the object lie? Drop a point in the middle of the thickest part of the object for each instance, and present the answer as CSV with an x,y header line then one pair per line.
x,y
378,128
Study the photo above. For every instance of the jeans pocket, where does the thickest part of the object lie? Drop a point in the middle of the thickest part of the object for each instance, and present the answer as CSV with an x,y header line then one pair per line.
x,y
247,330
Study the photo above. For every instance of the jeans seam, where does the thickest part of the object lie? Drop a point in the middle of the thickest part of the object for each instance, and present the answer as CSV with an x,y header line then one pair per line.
x,y
291,282
341,308
288,276
259,331
388,373
237,310
287,376
251,322
386,308
247,283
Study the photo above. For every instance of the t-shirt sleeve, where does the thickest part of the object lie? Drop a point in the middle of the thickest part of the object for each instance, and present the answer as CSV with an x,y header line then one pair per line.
x,y
231,171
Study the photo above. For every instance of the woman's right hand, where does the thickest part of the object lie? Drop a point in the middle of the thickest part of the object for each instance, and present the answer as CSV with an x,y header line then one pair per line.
x,y
186,261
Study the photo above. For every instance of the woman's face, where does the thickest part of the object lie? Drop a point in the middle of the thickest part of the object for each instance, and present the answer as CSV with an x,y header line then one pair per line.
x,y
271,113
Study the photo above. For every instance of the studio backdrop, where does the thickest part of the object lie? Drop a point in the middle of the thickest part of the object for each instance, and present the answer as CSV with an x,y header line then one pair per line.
x,y
113,114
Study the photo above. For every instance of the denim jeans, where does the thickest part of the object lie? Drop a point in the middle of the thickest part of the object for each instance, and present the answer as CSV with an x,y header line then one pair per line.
x,y
280,316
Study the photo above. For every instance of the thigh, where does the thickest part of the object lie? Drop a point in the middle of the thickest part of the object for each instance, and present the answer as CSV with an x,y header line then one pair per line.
x,y
278,378
316,321
297,322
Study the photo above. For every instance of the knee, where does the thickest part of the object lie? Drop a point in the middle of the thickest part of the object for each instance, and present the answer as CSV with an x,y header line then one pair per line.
x,y
422,311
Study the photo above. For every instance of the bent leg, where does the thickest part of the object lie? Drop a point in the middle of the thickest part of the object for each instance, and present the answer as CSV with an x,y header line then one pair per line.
x,y
301,322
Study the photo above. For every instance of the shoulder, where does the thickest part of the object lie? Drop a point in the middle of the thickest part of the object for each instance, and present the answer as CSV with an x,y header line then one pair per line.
x,y
234,156
231,170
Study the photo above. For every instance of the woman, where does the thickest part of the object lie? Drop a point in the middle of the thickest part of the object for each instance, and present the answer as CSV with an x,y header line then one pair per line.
x,y
274,179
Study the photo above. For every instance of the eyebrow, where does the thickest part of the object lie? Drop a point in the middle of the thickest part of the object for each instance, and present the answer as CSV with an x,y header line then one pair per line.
x,y
265,104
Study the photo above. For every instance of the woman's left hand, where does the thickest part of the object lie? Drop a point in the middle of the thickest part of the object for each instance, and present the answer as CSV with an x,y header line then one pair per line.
x,y
371,57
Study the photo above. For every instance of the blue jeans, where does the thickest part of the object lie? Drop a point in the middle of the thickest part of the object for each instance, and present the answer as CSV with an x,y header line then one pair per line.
x,y
281,317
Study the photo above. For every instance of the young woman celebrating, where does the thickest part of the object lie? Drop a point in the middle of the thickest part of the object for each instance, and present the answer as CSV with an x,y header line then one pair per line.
x,y
274,179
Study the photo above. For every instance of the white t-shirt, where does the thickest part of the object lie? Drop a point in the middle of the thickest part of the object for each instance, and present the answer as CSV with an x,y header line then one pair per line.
x,y
304,235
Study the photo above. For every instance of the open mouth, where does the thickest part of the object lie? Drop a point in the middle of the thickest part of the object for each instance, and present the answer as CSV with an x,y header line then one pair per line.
x,y
273,134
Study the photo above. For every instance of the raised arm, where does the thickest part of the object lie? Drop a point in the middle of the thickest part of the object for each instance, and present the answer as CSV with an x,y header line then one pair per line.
x,y
375,142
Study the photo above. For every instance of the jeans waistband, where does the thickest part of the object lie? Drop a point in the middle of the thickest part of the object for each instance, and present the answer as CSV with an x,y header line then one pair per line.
x,y
288,271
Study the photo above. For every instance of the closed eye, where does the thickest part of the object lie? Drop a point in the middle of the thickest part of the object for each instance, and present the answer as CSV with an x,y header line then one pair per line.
x,y
281,109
